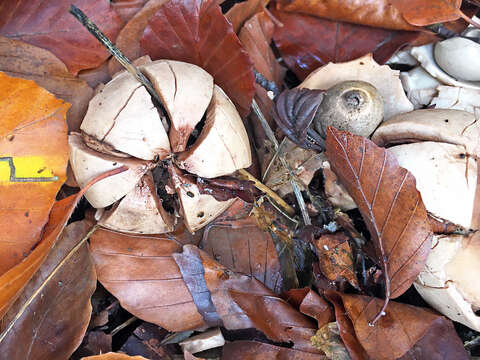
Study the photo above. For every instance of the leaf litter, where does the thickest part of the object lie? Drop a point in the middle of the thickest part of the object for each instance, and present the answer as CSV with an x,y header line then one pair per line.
x,y
249,271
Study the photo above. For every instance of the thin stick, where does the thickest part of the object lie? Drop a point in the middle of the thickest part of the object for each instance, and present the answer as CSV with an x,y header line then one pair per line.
x,y
122,59
269,192
293,179
123,325
46,281
275,155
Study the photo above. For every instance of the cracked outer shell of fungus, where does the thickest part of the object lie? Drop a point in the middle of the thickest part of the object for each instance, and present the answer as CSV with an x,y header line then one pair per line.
x,y
449,279
365,69
139,212
223,135
88,164
123,127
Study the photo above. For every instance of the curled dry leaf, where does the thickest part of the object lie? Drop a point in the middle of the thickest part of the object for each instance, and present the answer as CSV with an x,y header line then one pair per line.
x,y
29,62
427,333
34,153
156,282
378,13
56,300
294,112
384,79
390,205
51,27
196,32
226,188
244,11
335,42
114,356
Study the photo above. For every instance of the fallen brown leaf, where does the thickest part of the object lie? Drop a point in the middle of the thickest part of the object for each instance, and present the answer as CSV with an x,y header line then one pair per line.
x,y
196,32
127,8
156,282
14,280
34,155
254,255
253,350
29,62
52,27
127,40
336,258
335,41
427,12
404,332
113,356
376,13
390,205
241,12
55,301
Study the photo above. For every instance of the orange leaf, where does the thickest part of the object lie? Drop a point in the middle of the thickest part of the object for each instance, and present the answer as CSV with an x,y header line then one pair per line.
x,y
390,205
195,31
49,25
33,161
427,12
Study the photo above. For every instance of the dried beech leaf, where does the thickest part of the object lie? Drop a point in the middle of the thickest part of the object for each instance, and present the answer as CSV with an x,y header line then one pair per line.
x,y
376,13
241,12
427,12
405,332
390,205
127,8
334,41
14,280
336,258
127,40
33,161
254,255
29,62
113,356
156,282
253,350
142,274
56,299
195,31
225,188
52,27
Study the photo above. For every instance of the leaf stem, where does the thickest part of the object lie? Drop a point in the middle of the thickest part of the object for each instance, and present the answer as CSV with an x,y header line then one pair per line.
x,y
122,59
293,178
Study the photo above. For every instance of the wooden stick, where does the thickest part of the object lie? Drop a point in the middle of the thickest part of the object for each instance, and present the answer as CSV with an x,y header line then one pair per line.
x,y
122,59
293,178
265,189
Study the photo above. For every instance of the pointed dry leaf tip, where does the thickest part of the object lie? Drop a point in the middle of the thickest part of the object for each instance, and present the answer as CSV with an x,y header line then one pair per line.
x,y
123,116
88,164
390,205
185,91
223,146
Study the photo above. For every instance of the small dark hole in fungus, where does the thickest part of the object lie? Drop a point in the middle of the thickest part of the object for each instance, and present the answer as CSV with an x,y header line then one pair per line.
x,y
201,214
189,193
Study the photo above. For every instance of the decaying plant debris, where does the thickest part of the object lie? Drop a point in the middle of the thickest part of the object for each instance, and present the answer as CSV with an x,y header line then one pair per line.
x,y
239,179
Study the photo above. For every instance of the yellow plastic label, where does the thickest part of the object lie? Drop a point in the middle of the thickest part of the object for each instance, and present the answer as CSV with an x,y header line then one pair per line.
x,y
25,169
